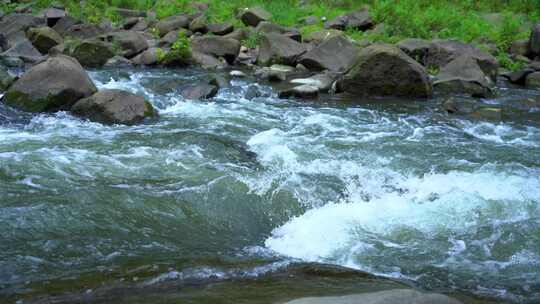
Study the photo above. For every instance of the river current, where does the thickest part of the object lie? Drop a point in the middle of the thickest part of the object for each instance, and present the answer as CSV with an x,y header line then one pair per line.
x,y
232,187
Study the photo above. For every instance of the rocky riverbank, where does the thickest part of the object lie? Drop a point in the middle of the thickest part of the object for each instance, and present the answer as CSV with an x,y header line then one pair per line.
x,y
52,49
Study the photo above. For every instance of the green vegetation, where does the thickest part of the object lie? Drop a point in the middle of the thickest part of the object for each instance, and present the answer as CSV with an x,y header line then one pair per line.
x,y
180,52
482,22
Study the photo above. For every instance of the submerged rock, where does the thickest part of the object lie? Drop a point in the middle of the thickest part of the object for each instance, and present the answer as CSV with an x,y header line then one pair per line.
x,y
200,91
114,107
463,75
276,48
401,296
52,85
385,70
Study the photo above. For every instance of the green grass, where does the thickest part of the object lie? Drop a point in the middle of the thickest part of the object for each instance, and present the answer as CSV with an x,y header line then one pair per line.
x,y
465,20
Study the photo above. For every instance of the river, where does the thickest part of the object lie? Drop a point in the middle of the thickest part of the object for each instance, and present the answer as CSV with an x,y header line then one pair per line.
x,y
234,189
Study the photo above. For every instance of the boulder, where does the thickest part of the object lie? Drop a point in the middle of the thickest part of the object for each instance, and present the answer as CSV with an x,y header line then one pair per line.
x,y
463,76
200,91
198,25
323,82
360,20
394,296
24,50
92,53
322,35
148,57
118,61
534,41
52,15
220,29
336,54
13,26
268,27
276,48
44,38
217,46
441,52
301,91
5,79
172,23
63,25
385,70
83,31
131,43
415,48
519,48
114,107
252,16
238,34
207,61
171,37
62,82
518,77
533,80
3,43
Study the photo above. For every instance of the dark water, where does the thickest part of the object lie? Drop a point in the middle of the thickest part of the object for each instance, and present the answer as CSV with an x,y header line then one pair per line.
x,y
221,200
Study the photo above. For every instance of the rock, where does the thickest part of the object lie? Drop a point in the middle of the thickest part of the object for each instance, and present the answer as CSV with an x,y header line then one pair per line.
x,y
200,91
5,79
488,113
518,77
52,15
118,61
207,61
441,52
272,75
3,43
252,92
44,38
83,31
276,48
310,20
171,37
360,20
148,57
394,296
114,107
323,82
141,25
92,53
198,25
385,70
238,34
415,48
13,26
217,46
534,40
131,43
533,80
268,27
63,25
24,50
519,48
62,82
130,22
322,35
220,29
11,62
172,23
463,75
238,74
336,54
252,16
302,91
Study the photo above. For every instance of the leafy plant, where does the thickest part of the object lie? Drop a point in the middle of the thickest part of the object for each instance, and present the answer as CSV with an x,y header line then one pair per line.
x,y
179,54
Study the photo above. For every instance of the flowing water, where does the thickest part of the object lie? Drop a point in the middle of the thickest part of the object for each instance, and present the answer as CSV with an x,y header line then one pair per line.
x,y
238,189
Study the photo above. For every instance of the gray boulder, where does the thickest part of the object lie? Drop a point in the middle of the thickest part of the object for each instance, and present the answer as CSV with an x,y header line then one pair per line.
x,y
385,70
269,27
322,35
62,82
24,50
148,57
534,41
301,91
336,54
323,82
200,91
5,79
401,296
415,48
14,26
44,38
533,80
63,25
217,46
441,52
118,61
463,76
52,15
131,43
519,48
92,53
220,29
114,107
252,16
238,34
199,25
276,48
360,20
83,31
172,23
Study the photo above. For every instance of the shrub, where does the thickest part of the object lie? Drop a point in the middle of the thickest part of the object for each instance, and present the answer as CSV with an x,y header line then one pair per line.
x,y
179,54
